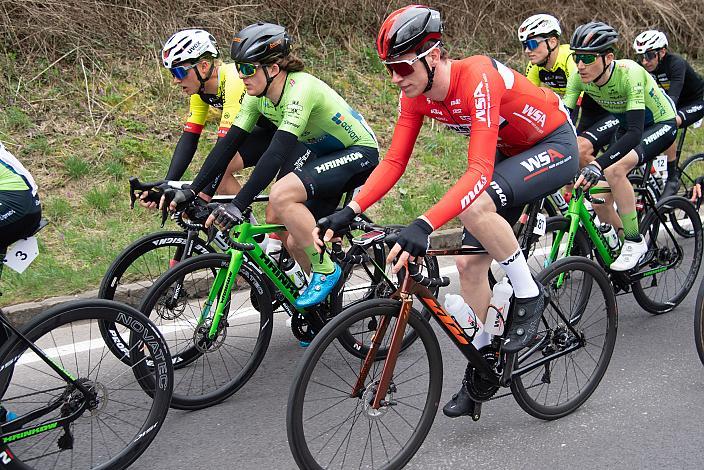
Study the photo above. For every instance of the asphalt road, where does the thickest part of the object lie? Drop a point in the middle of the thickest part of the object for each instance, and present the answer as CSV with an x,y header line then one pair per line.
x,y
646,413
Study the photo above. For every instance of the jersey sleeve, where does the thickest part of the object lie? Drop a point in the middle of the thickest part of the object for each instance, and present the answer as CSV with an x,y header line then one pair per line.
x,y
574,89
297,110
197,115
234,96
532,74
678,69
484,90
391,168
635,88
248,113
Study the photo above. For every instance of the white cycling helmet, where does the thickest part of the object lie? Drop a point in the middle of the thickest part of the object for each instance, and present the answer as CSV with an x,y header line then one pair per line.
x,y
539,25
649,40
188,45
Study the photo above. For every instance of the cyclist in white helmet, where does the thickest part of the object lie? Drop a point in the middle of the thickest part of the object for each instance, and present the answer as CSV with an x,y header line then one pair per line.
x,y
681,83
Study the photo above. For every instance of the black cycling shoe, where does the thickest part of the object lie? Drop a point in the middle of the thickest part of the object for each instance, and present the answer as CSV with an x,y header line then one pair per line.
x,y
525,320
671,187
461,404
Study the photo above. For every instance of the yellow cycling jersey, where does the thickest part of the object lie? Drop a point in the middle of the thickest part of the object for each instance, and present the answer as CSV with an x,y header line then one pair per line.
x,y
556,77
228,98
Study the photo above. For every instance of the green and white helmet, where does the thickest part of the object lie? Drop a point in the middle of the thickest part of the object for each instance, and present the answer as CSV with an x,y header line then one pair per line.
x,y
188,45
649,40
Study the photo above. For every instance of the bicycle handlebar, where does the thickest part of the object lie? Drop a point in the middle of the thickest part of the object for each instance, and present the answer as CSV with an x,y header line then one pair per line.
x,y
414,272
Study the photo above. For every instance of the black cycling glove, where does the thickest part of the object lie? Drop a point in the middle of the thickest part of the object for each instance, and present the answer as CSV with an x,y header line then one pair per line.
x,y
591,174
337,222
227,216
415,239
182,197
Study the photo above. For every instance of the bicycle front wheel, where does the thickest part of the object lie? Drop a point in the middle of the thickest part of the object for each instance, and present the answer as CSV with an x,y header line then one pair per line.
x,y
57,426
699,323
672,262
327,427
554,377
210,369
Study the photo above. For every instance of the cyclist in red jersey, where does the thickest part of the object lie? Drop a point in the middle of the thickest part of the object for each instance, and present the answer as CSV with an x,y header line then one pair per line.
x,y
522,146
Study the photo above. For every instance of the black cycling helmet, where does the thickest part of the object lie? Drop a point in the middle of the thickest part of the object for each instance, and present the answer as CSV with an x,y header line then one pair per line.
x,y
407,29
264,43
593,37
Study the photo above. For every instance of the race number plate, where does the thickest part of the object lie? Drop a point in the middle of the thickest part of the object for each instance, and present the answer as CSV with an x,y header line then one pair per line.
x,y
540,224
660,163
21,254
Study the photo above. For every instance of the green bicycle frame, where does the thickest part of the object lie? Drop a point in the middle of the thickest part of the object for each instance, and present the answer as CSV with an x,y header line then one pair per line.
x,y
578,213
225,278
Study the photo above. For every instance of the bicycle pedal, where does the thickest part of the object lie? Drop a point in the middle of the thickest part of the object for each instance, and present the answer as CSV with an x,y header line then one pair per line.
x,y
477,412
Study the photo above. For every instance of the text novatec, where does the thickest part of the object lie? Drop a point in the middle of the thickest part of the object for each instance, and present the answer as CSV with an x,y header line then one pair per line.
x,y
338,162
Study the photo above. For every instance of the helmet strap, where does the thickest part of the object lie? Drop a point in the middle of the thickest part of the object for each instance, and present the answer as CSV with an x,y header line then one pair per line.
x,y
268,81
431,75
547,58
603,61
204,80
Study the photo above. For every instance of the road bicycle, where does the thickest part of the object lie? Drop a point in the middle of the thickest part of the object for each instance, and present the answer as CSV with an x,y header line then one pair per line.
x,y
67,402
375,411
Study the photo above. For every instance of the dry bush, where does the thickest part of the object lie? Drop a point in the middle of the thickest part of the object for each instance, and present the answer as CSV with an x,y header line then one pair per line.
x,y
136,28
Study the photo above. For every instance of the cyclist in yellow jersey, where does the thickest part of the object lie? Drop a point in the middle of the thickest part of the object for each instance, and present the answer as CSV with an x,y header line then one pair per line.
x,y
191,57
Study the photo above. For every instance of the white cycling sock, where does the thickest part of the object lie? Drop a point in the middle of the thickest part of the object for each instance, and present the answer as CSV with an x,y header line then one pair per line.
x,y
517,270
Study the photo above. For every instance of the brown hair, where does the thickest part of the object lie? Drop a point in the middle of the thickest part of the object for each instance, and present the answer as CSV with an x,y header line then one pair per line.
x,y
291,63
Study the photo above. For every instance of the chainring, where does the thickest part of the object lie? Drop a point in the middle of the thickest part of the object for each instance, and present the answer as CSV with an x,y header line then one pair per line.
x,y
480,389
301,328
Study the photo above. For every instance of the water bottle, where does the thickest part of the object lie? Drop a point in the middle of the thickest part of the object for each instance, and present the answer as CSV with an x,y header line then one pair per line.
x,y
498,307
610,235
294,272
463,315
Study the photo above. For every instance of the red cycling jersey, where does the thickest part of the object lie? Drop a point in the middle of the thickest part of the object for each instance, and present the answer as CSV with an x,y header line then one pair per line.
x,y
498,108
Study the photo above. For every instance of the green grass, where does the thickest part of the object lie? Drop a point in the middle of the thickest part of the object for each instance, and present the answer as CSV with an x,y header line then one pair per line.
x,y
82,174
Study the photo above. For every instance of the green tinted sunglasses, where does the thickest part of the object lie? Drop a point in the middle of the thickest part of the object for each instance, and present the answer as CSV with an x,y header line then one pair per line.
x,y
586,59
247,70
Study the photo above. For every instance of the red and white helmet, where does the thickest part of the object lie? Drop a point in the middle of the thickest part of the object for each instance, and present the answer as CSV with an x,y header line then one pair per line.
x,y
649,40
407,29
539,25
188,45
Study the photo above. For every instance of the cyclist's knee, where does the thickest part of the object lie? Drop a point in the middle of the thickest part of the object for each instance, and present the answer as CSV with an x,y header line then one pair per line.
x,y
475,215
586,151
236,164
472,266
270,215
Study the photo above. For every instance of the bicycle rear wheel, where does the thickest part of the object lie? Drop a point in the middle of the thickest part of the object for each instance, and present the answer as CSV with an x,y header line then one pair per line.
x,y
672,260
329,428
580,337
207,371
109,432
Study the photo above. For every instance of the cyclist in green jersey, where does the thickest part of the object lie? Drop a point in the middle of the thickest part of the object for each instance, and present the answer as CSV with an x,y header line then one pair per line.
x,y
647,127
551,65
20,210
304,109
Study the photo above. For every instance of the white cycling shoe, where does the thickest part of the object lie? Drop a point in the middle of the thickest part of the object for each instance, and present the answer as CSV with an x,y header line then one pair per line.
x,y
631,254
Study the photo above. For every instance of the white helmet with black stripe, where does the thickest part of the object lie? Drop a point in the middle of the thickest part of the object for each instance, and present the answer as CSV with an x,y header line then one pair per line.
x,y
649,40
539,25
188,45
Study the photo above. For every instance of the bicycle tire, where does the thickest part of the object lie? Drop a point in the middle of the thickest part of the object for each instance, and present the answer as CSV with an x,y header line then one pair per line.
x,y
520,390
699,322
165,243
191,350
651,230
54,325
691,169
329,336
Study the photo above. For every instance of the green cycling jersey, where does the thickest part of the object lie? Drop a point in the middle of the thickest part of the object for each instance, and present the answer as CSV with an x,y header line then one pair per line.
x,y
313,112
630,87
13,175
